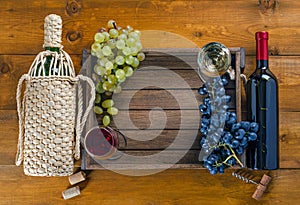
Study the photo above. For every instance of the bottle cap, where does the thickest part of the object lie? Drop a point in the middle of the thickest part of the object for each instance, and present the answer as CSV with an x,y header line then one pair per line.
x,y
52,31
262,45
262,35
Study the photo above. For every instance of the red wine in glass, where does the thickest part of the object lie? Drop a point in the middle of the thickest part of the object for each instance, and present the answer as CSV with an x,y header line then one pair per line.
x,y
101,142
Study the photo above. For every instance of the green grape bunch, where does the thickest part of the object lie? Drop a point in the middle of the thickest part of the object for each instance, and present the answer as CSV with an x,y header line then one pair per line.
x,y
119,53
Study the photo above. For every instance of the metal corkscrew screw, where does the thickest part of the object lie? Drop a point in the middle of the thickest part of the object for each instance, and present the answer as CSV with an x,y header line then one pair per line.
x,y
244,177
248,178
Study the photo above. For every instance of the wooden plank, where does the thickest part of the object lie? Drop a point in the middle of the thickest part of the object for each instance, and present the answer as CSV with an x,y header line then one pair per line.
x,y
289,135
194,186
283,68
23,23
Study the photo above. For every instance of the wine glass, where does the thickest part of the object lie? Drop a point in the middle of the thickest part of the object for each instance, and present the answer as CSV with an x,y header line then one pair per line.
x,y
214,59
102,143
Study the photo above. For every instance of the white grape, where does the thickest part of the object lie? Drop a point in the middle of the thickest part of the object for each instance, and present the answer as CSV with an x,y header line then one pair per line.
x,y
96,47
118,89
129,59
134,51
106,50
120,60
99,54
126,51
134,35
99,88
112,79
106,35
98,98
128,71
111,43
112,111
135,62
124,31
120,73
113,33
98,110
138,45
111,24
129,28
99,69
121,80
109,65
140,56
107,103
122,36
99,37
137,32
102,61
130,42
108,72
106,120
106,85
112,88
120,44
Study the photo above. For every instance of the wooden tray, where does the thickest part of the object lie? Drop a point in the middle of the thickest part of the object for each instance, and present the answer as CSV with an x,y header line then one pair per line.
x,y
183,62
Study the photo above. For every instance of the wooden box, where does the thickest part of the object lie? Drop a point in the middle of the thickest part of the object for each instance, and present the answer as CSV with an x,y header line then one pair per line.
x,y
171,80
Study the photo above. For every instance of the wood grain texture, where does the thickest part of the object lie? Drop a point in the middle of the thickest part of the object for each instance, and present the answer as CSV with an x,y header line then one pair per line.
x,y
191,22
194,187
164,24
284,67
289,137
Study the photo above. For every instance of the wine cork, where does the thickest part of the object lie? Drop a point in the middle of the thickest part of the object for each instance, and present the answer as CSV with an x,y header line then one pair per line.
x,y
262,186
265,180
76,178
71,192
258,192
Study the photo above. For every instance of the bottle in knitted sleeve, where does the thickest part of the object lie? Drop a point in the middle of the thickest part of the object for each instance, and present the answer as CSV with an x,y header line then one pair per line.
x,y
52,40
47,114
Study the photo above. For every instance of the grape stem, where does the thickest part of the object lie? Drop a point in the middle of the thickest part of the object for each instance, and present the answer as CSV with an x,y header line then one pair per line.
x,y
115,25
234,155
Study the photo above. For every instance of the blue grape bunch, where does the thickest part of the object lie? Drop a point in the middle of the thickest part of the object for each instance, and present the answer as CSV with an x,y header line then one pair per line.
x,y
223,138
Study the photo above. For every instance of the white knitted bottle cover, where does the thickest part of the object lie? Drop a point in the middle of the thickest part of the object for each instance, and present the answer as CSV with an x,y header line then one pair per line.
x,y
52,31
47,143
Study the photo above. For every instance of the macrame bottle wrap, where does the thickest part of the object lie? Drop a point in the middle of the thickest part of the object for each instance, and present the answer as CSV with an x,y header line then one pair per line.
x,y
52,31
47,113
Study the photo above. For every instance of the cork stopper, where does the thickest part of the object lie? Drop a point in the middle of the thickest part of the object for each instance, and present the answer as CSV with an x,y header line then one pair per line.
x,y
76,178
71,192
52,31
262,186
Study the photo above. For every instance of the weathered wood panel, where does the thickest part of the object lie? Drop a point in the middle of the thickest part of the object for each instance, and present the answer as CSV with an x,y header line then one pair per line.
x,y
198,22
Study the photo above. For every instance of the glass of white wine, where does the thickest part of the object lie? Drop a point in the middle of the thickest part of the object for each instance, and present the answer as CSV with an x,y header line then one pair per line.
x,y
214,59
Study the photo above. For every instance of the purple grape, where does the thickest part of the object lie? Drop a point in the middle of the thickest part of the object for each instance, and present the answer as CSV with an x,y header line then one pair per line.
x,y
254,127
252,136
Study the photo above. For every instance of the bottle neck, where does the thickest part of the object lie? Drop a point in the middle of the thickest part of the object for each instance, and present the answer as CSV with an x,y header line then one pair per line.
x,y
53,49
262,64
262,57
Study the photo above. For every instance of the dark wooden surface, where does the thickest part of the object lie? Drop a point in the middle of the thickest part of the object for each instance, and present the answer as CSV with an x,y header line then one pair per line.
x,y
181,24
167,81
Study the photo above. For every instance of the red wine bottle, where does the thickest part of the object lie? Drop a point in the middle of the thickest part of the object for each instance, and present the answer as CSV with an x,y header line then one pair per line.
x,y
262,107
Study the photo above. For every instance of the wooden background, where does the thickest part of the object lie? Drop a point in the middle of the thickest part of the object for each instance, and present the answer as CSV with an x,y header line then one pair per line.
x,y
230,22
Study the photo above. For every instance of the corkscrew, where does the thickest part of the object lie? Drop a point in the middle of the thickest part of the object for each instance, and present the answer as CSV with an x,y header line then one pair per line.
x,y
249,178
